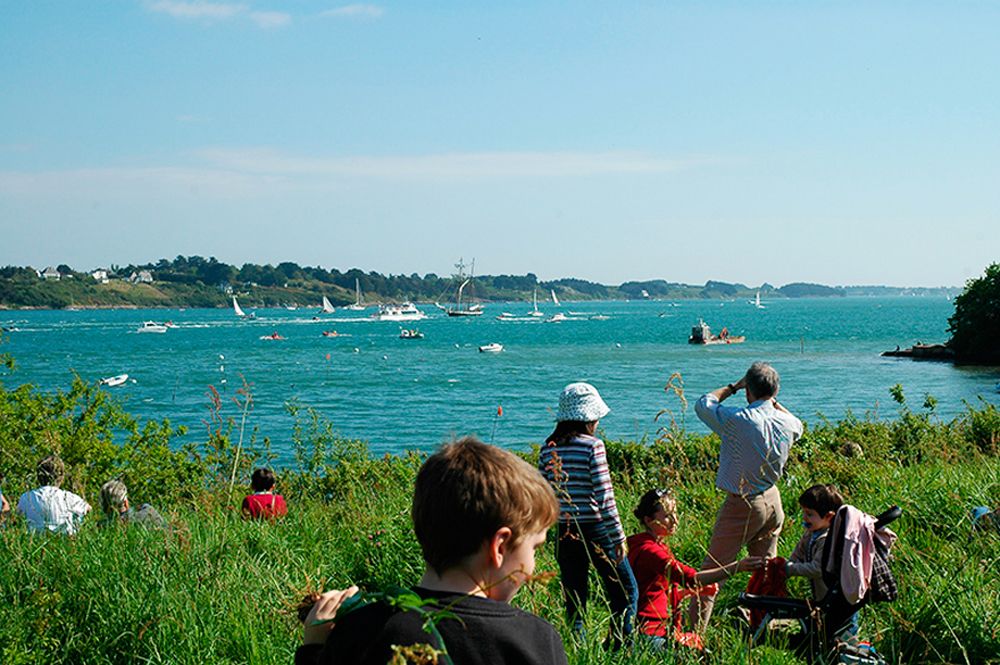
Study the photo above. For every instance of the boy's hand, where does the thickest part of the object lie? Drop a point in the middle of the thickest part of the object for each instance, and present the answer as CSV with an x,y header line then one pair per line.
x,y
325,609
751,563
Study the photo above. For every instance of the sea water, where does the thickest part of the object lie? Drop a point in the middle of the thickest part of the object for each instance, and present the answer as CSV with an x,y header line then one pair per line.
x,y
400,394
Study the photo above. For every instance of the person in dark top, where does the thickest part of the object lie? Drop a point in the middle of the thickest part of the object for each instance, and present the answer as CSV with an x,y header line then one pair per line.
x,y
479,514
263,504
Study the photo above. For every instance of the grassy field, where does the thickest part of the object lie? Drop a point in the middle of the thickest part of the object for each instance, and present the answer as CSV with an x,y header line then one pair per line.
x,y
216,589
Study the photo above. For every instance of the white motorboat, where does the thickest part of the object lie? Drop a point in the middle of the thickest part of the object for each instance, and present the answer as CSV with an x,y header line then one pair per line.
x,y
407,311
152,327
557,317
113,381
356,306
495,347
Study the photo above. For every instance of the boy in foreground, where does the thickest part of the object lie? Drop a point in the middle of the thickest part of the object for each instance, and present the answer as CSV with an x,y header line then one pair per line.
x,y
479,513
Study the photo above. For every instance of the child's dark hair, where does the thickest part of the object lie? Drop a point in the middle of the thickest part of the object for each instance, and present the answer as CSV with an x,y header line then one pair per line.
x,y
50,471
822,498
652,501
262,479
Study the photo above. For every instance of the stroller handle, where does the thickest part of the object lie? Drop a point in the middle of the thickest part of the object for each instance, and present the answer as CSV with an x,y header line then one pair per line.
x,y
888,517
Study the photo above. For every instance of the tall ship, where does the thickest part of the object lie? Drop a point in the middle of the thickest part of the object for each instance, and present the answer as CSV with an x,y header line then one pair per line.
x,y
466,308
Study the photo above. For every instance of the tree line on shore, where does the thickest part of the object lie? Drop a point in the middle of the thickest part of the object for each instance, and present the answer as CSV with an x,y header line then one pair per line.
x,y
194,281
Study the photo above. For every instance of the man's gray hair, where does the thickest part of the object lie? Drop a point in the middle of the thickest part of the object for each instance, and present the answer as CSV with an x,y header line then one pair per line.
x,y
114,494
762,380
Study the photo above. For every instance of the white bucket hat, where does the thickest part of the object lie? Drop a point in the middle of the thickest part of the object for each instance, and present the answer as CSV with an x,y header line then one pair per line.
x,y
581,402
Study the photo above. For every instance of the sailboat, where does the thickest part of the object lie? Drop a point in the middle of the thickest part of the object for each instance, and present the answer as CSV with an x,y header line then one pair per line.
x,y
239,311
357,306
327,308
756,301
555,301
459,309
534,304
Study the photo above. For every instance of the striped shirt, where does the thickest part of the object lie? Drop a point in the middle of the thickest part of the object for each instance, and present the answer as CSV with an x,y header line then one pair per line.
x,y
755,443
578,472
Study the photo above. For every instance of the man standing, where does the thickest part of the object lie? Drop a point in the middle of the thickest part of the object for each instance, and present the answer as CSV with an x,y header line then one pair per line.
x,y
755,443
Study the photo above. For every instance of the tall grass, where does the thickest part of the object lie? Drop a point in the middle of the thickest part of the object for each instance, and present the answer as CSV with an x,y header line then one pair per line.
x,y
217,589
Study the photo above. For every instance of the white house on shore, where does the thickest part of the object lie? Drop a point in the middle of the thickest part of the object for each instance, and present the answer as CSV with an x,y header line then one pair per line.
x,y
100,276
141,277
50,273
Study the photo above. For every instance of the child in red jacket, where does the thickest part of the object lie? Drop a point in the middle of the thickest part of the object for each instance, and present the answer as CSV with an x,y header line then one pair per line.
x,y
664,581
263,504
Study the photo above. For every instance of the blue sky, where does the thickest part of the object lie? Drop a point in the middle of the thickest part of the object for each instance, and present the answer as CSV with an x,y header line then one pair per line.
x,y
842,143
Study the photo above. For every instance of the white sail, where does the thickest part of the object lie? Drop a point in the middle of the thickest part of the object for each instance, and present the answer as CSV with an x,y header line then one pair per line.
x,y
327,307
534,304
239,311
756,300
555,300
357,306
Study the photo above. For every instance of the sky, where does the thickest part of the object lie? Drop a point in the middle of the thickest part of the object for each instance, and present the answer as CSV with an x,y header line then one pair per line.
x,y
832,142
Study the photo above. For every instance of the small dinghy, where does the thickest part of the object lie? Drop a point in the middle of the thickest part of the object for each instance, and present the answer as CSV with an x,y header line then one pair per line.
x,y
491,348
113,381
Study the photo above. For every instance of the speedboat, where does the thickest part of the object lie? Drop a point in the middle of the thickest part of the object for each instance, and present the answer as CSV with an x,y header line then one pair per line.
x,y
558,316
495,347
152,327
404,312
113,381
410,333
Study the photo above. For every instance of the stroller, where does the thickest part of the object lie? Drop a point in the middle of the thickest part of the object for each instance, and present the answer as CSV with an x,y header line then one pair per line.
x,y
826,623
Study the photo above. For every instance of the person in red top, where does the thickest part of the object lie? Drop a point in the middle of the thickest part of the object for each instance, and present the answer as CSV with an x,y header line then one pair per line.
x,y
664,581
263,504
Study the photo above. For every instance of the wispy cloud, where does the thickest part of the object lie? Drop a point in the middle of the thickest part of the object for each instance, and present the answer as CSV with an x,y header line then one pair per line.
x,y
212,11
218,11
271,19
355,11
226,173
449,165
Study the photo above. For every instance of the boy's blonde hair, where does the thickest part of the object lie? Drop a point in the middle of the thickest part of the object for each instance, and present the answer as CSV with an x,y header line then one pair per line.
x,y
468,490
114,494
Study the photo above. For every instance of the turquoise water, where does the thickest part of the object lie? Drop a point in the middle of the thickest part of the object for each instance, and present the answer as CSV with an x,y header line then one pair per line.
x,y
400,394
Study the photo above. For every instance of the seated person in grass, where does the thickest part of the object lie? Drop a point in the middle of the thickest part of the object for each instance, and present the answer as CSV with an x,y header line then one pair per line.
x,y
479,513
819,504
116,510
48,508
663,580
263,503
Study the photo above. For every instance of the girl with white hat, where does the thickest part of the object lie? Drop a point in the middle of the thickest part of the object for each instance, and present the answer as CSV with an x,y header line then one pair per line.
x,y
590,531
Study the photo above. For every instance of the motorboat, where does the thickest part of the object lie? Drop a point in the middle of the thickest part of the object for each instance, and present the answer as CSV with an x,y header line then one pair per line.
x,y
557,317
410,333
506,316
113,381
702,334
406,311
331,333
152,327
495,347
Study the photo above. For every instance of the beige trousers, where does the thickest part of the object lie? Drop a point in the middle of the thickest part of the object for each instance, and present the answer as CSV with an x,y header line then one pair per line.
x,y
754,521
